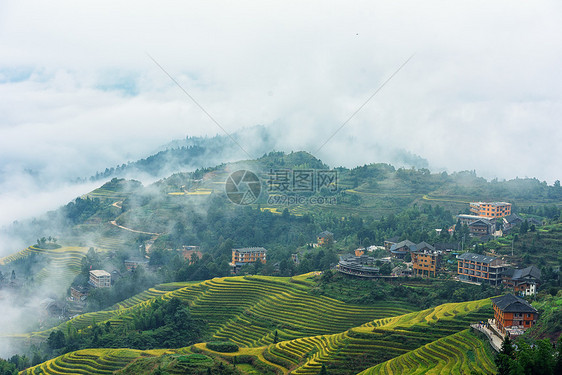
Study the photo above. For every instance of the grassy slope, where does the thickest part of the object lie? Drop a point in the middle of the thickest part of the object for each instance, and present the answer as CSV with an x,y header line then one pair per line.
x,y
549,324
543,247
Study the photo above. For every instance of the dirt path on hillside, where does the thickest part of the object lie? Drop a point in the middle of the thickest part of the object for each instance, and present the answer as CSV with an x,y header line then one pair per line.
x,y
148,244
113,222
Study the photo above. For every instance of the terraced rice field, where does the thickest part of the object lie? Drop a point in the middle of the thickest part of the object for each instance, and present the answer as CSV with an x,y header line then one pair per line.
x,y
459,353
111,195
195,192
85,320
377,341
314,330
91,361
248,310
63,263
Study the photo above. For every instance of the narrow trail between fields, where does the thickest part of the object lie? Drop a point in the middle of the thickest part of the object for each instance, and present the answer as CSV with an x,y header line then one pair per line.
x,y
113,222
149,243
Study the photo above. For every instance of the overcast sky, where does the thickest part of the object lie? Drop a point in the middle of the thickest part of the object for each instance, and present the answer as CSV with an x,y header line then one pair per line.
x,y
78,92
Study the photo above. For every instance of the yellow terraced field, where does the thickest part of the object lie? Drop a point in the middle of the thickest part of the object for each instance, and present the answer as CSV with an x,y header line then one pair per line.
x,y
62,264
312,330
459,353
92,361
377,341
248,310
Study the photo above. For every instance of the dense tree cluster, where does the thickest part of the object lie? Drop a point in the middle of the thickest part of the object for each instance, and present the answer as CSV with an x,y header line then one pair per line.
x,y
522,357
162,324
7,368
433,292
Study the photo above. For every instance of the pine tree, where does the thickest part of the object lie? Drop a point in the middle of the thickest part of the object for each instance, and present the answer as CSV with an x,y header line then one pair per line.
x,y
505,358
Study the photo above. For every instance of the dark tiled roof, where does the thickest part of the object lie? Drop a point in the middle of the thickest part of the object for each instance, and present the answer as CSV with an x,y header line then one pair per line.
x,y
477,257
392,239
325,234
409,244
531,271
513,219
510,303
424,245
250,249
508,272
480,221
446,246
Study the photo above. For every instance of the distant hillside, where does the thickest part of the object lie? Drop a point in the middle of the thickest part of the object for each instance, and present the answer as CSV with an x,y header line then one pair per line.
x,y
201,152
376,201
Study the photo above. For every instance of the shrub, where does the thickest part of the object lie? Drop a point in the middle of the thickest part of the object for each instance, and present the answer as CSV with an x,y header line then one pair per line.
x,y
222,346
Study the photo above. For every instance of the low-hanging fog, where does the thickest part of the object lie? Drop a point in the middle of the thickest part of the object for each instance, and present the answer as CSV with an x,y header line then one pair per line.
x,y
79,92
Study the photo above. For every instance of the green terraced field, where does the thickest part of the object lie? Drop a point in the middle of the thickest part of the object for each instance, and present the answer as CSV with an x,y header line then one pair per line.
x,y
248,310
92,361
459,353
141,299
102,193
314,330
377,341
63,264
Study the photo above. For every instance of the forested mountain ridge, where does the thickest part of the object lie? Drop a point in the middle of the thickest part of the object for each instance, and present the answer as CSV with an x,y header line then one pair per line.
x,y
125,220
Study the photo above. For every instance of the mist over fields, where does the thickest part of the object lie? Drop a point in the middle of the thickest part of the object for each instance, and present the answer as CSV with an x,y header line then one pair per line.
x,y
79,93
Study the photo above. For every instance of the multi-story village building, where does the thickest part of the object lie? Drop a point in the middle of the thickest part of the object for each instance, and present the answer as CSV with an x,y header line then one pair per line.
x,y
389,242
100,279
247,255
491,209
425,260
513,315
361,266
480,268
400,249
79,293
477,225
524,281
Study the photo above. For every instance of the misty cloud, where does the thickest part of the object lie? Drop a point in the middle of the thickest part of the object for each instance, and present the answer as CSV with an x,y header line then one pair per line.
x,y
79,93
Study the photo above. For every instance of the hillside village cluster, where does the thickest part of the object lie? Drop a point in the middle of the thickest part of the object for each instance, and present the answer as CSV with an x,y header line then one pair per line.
x,y
512,314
